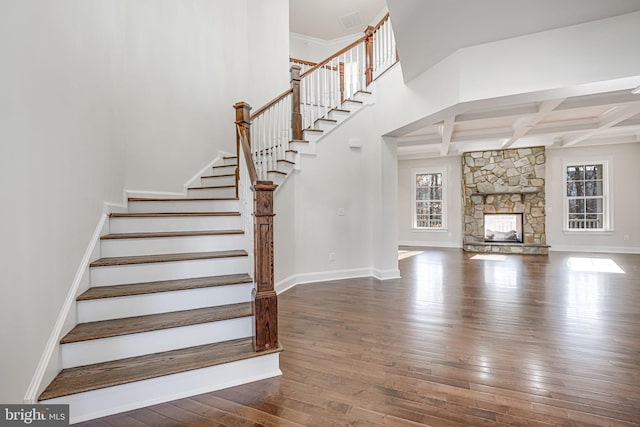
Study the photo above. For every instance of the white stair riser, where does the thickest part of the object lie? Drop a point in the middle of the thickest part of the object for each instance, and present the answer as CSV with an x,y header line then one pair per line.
x,y
340,116
171,245
176,223
211,192
160,302
114,348
185,206
136,273
306,147
112,400
222,180
285,167
354,107
229,161
290,155
366,98
223,170
325,126
276,178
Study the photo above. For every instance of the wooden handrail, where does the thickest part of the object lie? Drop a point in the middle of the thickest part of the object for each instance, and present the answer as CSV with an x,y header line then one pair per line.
x,y
348,47
335,55
382,21
271,103
301,61
246,150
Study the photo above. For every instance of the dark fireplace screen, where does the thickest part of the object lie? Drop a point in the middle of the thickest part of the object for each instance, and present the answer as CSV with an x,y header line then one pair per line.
x,y
503,228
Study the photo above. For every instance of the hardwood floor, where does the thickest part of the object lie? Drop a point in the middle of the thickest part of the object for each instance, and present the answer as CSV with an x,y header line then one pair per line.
x,y
524,341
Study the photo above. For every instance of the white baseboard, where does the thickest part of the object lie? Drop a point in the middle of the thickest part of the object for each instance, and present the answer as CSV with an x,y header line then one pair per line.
x,y
393,273
602,249
50,362
326,276
432,244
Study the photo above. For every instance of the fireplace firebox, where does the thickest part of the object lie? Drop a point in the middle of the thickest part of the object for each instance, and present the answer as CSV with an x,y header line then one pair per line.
x,y
505,228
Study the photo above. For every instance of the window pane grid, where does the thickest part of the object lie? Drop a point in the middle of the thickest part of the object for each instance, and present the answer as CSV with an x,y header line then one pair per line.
x,y
428,200
585,196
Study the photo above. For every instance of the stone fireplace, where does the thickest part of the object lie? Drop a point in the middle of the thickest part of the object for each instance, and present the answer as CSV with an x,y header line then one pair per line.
x,y
504,201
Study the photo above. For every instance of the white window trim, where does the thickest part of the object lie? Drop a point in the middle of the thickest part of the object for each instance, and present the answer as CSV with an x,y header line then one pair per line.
x,y
445,180
607,191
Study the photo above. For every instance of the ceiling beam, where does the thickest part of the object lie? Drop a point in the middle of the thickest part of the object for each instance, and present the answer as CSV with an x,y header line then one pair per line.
x,y
522,127
446,131
607,120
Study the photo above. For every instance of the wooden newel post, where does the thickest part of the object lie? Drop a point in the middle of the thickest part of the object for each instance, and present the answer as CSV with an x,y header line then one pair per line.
x,y
265,299
369,54
296,116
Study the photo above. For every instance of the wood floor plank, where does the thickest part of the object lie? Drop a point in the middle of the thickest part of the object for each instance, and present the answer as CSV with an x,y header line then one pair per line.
x,y
455,342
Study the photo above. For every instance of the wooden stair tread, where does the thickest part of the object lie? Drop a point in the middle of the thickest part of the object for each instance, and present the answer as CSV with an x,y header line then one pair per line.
x,y
146,259
155,322
286,161
116,236
224,166
229,157
170,214
226,175
130,289
354,101
340,110
323,119
117,372
366,92
175,199
311,130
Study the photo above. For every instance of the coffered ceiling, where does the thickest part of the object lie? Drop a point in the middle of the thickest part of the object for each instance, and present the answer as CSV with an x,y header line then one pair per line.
x,y
595,119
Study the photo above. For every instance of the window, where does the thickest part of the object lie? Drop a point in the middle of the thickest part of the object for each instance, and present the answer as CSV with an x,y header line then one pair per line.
x,y
586,196
429,206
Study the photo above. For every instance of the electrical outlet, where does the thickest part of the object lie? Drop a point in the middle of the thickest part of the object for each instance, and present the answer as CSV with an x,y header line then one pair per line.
x,y
332,256
626,237
340,211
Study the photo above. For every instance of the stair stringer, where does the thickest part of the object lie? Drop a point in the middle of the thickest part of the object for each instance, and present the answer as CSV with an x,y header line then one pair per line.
x,y
311,137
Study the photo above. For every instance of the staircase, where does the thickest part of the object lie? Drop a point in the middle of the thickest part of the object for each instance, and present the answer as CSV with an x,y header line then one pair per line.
x,y
169,311
181,300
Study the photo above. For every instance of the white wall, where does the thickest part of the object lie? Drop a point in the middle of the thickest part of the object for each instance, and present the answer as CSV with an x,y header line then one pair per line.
x,y
452,236
626,199
314,49
99,96
363,181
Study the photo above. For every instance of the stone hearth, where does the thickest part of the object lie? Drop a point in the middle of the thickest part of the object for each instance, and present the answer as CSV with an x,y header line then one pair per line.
x,y
505,181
